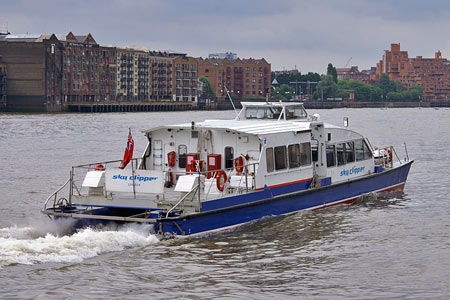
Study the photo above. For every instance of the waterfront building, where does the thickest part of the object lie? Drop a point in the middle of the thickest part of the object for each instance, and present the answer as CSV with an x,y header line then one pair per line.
x,y
3,75
81,77
185,81
432,74
244,78
353,74
132,75
34,66
161,75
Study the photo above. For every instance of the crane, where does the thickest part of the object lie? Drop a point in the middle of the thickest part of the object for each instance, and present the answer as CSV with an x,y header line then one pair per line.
x,y
346,64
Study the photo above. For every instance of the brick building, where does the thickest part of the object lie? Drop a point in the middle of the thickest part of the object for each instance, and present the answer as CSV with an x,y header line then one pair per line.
x,y
185,81
89,69
34,65
432,74
353,74
244,78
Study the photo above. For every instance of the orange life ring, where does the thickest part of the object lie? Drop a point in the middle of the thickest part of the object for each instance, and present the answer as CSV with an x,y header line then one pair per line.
x,y
99,167
219,176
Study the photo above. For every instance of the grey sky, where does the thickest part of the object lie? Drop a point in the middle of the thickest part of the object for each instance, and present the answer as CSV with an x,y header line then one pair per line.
x,y
288,33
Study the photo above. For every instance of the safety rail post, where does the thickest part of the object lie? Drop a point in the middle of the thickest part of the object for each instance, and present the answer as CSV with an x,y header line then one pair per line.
x,y
71,186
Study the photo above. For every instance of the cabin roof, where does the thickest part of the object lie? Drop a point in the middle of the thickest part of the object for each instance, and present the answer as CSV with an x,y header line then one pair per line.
x,y
246,127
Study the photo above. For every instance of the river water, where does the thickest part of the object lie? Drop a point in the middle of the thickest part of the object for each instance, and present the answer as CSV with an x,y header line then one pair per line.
x,y
395,247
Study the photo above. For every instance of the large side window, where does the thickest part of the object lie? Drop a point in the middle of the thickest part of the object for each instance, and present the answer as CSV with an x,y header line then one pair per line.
x,y
294,156
359,150
349,152
229,157
367,152
315,150
331,156
340,154
280,158
305,154
269,160
182,151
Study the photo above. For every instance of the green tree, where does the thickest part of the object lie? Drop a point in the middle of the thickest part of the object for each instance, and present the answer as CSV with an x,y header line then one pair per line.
x,y
386,85
332,72
326,88
283,92
207,87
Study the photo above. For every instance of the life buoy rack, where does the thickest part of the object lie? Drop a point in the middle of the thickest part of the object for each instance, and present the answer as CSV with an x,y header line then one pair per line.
x,y
171,159
239,164
221,176
99,167
390,157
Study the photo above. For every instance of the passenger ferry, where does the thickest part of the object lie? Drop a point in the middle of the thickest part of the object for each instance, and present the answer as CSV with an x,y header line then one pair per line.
x,y
272,159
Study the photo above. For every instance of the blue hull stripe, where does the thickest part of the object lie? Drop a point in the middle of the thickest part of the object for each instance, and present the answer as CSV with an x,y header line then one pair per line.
x,y
270,202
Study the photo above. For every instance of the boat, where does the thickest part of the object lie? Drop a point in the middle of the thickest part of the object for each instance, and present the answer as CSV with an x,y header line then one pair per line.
x,y
273,159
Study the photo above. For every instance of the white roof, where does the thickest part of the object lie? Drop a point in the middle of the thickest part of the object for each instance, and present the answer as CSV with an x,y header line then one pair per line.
x,y
248,127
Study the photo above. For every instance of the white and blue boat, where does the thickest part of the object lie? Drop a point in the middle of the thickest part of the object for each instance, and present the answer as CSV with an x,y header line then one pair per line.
x,y
272,159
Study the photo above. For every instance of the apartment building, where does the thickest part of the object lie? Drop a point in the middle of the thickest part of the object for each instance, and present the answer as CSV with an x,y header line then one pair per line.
x,y
243,78
432,74
161,75
185,81
132,75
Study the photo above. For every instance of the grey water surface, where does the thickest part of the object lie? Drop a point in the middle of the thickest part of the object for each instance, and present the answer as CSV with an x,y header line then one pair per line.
x,y
395,247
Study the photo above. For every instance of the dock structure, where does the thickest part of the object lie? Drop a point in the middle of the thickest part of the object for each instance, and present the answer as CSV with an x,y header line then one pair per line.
x,y
103,107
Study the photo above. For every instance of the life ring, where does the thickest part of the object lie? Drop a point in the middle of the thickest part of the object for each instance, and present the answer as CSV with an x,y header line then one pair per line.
x,y
99,167
221,175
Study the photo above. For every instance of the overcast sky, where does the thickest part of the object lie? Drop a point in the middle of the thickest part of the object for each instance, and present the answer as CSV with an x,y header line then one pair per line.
x,y
287,33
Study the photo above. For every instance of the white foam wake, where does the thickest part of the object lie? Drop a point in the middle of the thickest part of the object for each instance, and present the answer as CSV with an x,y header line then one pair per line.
x,y
18,247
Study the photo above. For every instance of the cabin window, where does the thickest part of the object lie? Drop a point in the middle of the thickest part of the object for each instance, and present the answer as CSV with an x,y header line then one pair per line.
x,y
362,150
269,160
182,151
367,152
340,154
229,157
295,112
349,152
280,158
331,156
294,156
305,154
315,150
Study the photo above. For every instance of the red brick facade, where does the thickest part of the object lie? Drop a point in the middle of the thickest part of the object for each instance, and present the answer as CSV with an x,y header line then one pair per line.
x,y
432,74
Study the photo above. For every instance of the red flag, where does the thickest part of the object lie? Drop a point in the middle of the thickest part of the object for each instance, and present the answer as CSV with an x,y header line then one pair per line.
x,y
128,151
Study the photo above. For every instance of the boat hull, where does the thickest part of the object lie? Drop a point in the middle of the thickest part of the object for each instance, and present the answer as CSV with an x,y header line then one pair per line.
x,y
317,198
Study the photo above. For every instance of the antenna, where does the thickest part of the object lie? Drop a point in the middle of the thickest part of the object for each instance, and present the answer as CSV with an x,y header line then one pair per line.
x,y
231,100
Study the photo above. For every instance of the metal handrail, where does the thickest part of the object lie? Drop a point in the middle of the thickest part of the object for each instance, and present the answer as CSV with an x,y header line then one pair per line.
x,y
197,187
55,193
